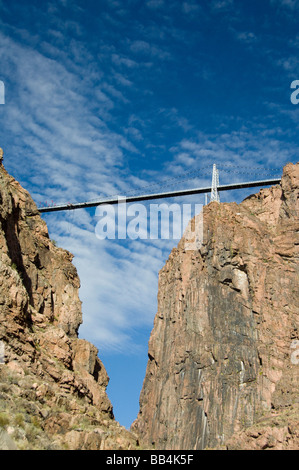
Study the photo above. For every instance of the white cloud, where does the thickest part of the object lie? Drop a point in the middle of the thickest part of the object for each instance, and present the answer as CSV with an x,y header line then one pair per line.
x,y
144,47
190,7
237,153
290,64
118,281
155,4
68,146
247,37
123,60
292,4
60,119
64,122
219,5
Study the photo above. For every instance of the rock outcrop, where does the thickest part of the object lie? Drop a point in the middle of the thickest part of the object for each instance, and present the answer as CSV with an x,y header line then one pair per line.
x,y
223,368
52,384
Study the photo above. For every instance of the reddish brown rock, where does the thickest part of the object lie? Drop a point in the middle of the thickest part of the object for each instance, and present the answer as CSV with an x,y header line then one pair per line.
x,y
220,353
278,431
52,384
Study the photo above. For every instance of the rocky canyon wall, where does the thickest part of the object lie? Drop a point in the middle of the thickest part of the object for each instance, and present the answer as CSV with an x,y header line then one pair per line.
x,y
52,384
223,354
222,372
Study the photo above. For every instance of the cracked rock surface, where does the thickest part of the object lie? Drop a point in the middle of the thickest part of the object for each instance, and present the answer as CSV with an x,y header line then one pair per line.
x,y
220,352
52,384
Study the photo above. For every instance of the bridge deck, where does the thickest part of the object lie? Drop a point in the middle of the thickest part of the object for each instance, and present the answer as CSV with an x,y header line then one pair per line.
x,y
147,197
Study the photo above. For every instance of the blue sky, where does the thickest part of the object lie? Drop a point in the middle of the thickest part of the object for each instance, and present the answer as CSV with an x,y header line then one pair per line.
x,y
103,98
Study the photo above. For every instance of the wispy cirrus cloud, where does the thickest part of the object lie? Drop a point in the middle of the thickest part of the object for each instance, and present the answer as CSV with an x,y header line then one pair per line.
x,y
103,98
116,282
63,117
291,4
221,5
155,4
63,148
105,112
247,37
144,47
243,149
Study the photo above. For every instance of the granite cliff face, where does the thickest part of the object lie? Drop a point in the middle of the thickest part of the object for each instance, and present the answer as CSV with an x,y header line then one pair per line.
x,y
223,368
52,384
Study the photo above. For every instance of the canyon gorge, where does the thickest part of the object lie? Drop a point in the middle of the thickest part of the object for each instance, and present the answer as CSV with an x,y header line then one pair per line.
x,y
223,369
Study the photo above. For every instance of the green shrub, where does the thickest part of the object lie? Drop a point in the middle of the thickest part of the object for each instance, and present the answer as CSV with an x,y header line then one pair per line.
x,y
19,420
4,420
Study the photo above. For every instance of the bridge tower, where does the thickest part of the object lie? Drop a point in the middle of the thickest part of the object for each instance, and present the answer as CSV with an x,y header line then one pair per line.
x,y
215,184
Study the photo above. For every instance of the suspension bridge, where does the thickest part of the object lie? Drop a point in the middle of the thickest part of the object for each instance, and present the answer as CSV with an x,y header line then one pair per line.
x,y
213,190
